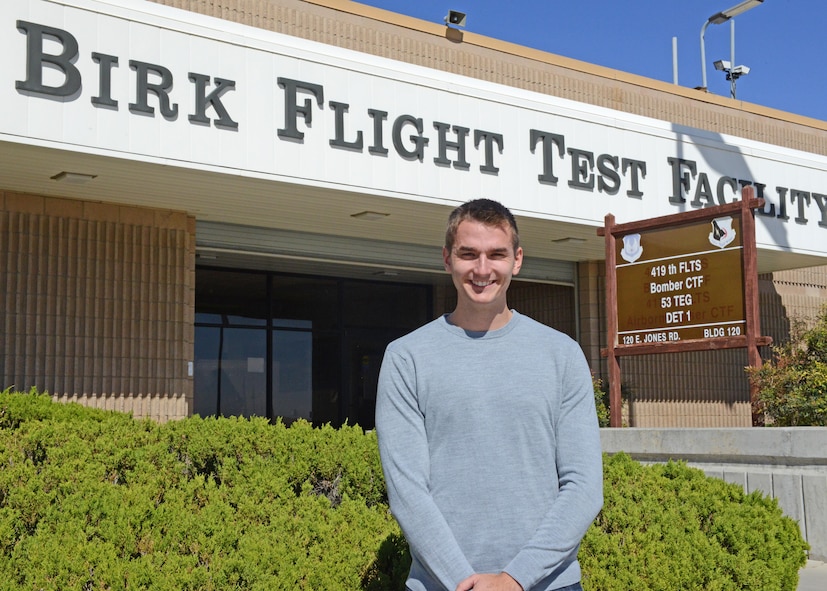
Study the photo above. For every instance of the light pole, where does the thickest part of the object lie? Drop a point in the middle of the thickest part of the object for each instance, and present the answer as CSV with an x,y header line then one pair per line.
x,y
717,19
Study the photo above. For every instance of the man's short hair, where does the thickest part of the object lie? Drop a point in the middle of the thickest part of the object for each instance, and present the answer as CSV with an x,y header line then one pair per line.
x,y
486,211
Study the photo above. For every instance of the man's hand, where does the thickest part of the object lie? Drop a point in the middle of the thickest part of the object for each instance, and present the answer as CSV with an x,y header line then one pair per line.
x,y
489,582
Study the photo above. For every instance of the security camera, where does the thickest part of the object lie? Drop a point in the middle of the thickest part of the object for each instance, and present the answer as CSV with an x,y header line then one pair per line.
x,y
740,70
722,65
455,17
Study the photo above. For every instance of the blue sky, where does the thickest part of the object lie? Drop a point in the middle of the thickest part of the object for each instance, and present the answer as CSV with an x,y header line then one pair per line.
x,y
781,41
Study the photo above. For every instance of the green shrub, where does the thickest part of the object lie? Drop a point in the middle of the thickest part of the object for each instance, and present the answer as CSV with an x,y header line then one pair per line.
x,y
667,527
96,500
792,388
93,500
601,402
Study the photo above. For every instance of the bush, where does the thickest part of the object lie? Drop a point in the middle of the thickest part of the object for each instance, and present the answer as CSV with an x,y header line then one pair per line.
x,y
667,527
601,402
93,499
96,500
792,388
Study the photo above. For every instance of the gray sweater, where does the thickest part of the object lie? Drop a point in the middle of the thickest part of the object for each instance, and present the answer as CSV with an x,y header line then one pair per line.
x,y
491,452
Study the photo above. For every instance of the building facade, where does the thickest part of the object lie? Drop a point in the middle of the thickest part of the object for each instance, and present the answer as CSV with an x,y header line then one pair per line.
x,y
232,207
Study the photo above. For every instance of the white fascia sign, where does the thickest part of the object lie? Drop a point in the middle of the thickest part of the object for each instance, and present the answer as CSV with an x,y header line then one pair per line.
x,y
147,82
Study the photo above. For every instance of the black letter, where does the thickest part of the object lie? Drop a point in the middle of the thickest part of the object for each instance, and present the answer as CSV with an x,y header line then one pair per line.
x,y
680,181
782,203
459,145
803,198
378,145
581,170
603,162
143,88
548,140
291,109
339,141
637,166
104,98
214,99
489,139
769,207
821,201
725,180
35,58
418,153
704,190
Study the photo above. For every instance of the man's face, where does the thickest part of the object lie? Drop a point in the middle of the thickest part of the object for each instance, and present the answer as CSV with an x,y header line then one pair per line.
x,y
482,263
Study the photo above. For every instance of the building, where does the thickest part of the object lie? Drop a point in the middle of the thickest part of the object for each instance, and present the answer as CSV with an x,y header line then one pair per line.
x,y
231,207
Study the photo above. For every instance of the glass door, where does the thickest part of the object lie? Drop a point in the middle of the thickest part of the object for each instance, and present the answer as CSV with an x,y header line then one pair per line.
x,y
230,371
365,349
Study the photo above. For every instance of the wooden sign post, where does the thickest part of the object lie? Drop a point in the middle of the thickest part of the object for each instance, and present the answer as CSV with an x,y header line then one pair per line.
x,y
683,282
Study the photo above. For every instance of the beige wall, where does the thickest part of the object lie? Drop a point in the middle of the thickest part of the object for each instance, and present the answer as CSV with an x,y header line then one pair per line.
x,y
790,296
97,303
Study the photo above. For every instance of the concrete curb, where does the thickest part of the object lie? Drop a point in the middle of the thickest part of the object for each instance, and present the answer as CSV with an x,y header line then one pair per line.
x,y
813,577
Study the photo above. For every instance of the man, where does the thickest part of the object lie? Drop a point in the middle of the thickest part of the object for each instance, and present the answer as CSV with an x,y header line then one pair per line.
x,y
487,429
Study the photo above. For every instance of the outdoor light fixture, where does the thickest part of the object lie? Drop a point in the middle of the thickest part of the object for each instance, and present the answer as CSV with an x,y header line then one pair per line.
x,y
369,215
455,17
569,240
74,178
717,19
725,15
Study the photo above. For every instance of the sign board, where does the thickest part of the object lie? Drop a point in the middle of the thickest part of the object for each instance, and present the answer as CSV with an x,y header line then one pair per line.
x,y
684,282
679,283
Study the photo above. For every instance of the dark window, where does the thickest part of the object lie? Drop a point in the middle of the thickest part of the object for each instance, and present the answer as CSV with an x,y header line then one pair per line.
x,y
385,305
305,302
292,374
243,381
225,297
296,347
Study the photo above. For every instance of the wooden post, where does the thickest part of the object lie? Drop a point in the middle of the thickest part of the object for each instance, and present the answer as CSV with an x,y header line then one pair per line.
x,y
615,401
751,312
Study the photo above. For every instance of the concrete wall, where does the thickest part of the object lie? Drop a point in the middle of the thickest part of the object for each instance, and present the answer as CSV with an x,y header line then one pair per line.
x,y
789,464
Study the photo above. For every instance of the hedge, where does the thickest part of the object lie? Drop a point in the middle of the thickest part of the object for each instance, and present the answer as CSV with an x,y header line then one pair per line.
x,y
94,500
669,526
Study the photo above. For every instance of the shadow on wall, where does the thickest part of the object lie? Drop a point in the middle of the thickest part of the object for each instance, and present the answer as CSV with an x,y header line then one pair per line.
x,y
714,173
776,321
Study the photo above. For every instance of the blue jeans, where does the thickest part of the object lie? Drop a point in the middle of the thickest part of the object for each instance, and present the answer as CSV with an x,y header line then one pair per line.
x,y
575,587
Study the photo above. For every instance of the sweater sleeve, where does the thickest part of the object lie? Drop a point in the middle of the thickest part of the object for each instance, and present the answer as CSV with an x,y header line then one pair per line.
x,y
403,448
580,476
